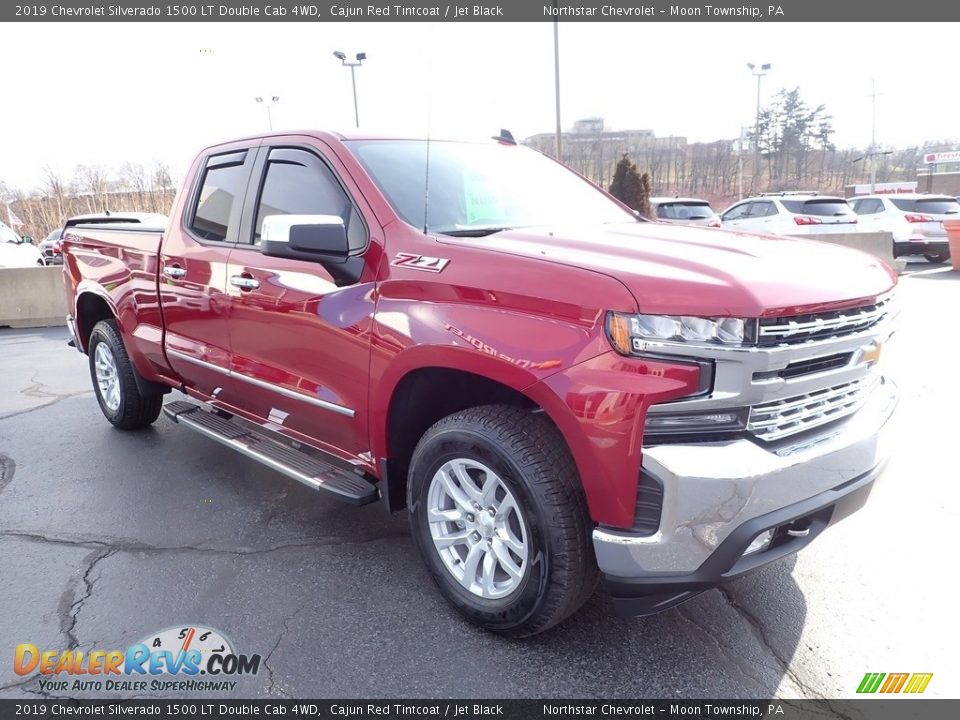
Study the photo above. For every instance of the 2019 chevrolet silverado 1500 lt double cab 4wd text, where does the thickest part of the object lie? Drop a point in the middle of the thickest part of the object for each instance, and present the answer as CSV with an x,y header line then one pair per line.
x,y
556,390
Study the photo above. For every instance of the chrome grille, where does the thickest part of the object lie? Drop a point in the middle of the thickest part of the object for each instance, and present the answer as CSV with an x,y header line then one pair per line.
x,y
775,420
819,326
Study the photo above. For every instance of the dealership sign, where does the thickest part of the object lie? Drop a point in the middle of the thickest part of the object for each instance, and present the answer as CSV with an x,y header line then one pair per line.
x,y
888,188
941,157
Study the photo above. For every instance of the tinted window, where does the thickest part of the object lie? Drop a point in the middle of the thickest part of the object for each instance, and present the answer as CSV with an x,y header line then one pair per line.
x,y
299,183
221,188
818,208
736,212
868,206
933,206
762,209
684,211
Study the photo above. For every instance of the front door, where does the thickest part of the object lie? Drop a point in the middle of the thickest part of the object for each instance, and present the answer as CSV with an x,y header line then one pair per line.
x,y
300,330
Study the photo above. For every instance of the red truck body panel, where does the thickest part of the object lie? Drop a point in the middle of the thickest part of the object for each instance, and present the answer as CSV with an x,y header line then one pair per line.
x,y
523,308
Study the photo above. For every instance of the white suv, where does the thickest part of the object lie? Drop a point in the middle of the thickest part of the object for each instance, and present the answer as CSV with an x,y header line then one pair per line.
x,y
790,214
684,211
915,219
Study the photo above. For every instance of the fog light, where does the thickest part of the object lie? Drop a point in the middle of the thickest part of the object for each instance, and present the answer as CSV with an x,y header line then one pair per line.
x,y
760,543
658,424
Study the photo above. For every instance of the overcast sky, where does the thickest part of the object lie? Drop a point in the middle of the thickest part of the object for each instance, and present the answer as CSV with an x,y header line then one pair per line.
x,y
108,93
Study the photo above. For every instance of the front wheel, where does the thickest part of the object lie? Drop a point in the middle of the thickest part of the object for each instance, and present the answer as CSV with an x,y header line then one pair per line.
x,y
498,514
114,382
940,257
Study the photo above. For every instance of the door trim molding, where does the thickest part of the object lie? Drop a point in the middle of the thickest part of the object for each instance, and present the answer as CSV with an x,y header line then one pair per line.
x,y
292,394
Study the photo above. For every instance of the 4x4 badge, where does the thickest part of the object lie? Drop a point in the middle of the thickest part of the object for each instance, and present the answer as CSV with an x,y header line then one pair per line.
x,y
419,262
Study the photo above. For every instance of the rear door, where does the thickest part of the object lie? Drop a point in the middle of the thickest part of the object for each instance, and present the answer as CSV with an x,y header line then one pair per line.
x,y
193,271
300,330
871,213
762,216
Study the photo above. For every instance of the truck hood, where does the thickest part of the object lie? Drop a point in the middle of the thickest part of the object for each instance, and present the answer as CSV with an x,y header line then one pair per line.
x,y
677,270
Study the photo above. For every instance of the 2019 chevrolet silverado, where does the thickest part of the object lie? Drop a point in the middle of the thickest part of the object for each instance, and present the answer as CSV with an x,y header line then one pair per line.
x,y
555,389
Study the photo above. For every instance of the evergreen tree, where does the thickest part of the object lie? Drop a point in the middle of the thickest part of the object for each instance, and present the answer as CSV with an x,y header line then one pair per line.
x,y
630,187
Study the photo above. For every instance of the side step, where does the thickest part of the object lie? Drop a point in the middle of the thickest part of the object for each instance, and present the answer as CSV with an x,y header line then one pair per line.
x,y
342,484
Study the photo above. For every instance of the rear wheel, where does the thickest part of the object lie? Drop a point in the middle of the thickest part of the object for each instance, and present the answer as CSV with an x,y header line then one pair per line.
x,y
114,381
940,257
499,516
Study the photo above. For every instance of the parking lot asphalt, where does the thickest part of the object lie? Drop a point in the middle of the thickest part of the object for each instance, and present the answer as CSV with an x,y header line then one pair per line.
x,y
108,537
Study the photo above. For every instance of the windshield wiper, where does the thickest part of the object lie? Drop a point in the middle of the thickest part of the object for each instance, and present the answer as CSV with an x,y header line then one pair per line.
x,y
472,232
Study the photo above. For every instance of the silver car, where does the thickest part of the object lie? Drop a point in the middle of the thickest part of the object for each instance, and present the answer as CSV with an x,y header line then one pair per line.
x,y
50,248
684,211
915,219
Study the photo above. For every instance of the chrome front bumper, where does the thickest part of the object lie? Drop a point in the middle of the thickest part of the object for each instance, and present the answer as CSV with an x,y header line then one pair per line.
x,y
711,489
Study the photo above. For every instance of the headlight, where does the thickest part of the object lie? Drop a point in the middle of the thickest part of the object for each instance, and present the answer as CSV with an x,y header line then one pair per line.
x,y
630,333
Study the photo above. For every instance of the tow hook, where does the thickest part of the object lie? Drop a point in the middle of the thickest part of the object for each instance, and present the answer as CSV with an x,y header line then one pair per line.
x,y
799,528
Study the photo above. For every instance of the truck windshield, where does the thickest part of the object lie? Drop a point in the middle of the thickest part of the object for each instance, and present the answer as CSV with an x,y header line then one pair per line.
x,y
478,189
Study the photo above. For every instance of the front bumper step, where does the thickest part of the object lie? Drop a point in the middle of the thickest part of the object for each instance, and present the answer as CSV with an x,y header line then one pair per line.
x,y
794,526
301,466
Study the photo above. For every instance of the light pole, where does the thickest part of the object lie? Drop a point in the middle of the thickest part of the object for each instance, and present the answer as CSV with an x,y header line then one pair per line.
x,y
353,65
556,79
873,136
273,100
759,73
740,143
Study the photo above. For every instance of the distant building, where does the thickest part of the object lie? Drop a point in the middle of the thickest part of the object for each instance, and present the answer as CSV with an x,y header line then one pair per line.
x,y
592,149
946,183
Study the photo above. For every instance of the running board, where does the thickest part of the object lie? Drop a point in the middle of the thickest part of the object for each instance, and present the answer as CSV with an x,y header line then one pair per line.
x,y
311,471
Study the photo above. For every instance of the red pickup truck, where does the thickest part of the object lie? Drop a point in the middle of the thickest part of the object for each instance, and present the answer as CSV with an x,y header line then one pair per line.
x,y
555,389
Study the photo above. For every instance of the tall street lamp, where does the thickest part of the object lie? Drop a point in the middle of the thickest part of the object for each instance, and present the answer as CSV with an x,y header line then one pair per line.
x,y
273,101
556,80
759,73
353,65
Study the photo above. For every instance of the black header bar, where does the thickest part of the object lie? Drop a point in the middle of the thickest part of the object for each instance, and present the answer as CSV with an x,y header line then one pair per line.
x,y
212,708
852,11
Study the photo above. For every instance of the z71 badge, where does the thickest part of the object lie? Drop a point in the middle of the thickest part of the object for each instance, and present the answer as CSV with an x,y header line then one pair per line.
x,y
419,262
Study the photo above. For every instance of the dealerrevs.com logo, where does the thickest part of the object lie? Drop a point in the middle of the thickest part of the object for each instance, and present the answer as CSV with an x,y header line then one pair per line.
x,y
910,683
170,660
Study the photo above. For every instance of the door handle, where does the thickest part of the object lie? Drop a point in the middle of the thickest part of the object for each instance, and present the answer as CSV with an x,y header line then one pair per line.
x,y
244,283
174,271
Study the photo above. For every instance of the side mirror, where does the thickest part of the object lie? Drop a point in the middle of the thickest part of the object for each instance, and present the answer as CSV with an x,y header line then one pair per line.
x,y
319,238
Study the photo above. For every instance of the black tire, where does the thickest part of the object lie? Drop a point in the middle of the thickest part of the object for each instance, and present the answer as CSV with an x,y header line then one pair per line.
x,y
941,257
531,458
134,411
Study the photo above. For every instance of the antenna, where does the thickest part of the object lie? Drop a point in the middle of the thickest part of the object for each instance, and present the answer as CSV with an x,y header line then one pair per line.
x,y
426,179
426,173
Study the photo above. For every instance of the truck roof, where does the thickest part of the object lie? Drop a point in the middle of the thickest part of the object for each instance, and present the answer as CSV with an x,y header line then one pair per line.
x,y
336,136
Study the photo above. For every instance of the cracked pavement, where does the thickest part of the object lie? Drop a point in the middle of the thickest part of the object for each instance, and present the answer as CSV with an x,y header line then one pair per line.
x,y
106,537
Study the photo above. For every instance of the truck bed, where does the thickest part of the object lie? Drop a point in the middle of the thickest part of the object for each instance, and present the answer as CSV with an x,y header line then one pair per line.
x,y
117,264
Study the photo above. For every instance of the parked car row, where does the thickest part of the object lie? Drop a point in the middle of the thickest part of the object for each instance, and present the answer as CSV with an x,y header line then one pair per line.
x,y
914,219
